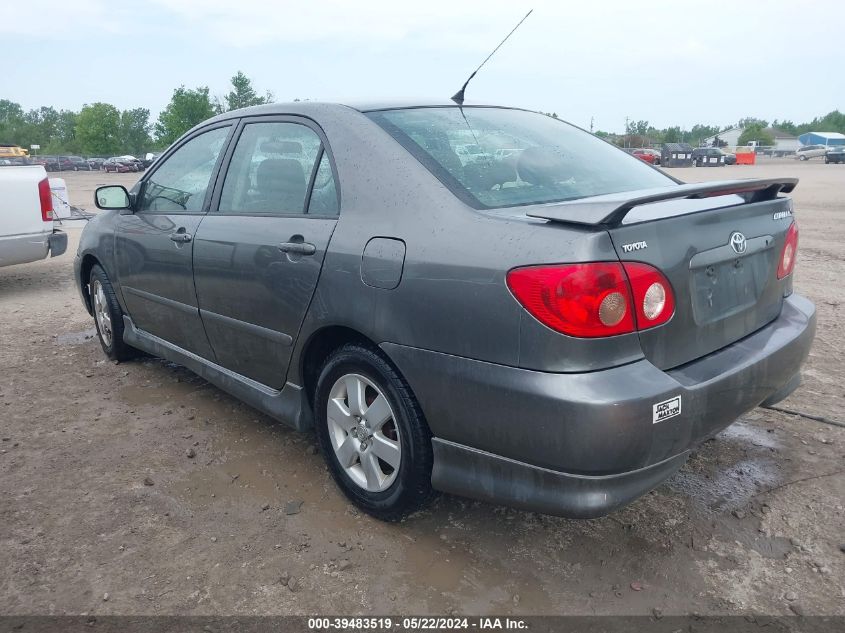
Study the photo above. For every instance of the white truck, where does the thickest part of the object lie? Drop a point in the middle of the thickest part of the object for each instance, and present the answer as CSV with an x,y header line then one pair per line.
x,y
26,217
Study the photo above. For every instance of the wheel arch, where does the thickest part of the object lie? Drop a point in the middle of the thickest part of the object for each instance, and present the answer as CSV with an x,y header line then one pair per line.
x,y
88,263
320,344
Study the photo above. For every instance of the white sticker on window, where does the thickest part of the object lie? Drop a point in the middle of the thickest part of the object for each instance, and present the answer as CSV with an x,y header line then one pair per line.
x,y
666,409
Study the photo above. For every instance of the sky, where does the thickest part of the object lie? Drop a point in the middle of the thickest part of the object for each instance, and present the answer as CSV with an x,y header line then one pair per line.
x,y
670,62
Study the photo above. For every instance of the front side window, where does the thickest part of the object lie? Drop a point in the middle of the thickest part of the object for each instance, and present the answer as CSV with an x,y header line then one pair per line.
x,y
181,182
271,169
497,157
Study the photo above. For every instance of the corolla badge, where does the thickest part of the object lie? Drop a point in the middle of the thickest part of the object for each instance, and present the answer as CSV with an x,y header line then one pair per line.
x,y
738,242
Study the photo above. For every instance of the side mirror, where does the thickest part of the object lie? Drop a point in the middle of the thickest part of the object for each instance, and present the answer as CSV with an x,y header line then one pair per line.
x,y
112,197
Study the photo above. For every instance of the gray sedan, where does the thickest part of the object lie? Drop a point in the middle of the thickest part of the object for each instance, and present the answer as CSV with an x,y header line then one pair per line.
x,y
549,323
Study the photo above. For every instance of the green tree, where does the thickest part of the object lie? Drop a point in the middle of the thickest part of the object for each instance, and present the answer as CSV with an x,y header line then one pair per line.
x,y
700,132
11,121
673,135
135,130
640,128
787,126
757,133
186,109
243,94
98,129
750,121
65,138
42,126
830,122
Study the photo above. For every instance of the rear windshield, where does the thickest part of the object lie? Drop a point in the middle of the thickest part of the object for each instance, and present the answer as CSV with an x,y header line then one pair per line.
x,y
516,157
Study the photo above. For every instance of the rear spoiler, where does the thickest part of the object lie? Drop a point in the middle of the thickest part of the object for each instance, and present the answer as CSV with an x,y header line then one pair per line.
x,y
610,209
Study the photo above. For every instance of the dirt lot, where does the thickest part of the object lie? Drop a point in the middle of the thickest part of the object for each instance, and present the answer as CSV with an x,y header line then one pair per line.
x,y
99,496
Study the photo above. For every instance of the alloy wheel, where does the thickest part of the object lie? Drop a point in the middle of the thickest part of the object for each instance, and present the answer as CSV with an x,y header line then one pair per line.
x,y
363,432
101,312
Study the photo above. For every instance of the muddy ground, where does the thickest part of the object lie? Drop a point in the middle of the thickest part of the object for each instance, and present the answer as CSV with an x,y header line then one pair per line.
x,y
98,495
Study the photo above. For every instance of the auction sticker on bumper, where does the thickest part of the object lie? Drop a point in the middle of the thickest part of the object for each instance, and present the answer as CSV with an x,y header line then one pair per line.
x,y
666,409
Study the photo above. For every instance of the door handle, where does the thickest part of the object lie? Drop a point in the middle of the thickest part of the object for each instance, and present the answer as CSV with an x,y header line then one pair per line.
x,y
181,238
298,248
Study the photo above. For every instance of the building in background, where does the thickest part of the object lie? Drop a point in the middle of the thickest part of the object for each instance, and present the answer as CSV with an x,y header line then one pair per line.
x,y
785,143
822,138
728,137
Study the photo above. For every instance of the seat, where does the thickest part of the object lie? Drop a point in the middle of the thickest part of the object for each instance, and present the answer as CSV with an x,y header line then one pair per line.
x,y
541,166
280,186
485,176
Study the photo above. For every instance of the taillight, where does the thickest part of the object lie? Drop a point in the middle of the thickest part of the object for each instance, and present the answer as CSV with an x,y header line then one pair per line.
x,y
594,299
46,198
789,252
586,300
654,301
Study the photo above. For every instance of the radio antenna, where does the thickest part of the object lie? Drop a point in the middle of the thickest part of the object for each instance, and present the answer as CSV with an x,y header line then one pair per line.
x,y
459,95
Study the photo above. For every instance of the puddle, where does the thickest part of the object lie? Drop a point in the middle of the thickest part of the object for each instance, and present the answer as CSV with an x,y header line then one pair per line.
x,y
76,338
751,434
723,486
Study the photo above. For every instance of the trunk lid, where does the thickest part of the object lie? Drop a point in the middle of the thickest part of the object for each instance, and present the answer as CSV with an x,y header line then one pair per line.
x,y
723,292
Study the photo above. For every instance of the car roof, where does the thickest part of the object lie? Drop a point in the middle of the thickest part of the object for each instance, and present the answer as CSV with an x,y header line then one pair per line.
x,y
326,107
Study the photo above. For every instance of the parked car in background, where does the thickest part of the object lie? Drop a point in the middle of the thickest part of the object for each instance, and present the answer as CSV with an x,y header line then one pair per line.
x,y
150,158
73,163
810,151
650,156
117,164
470,153
730,158
16,161
50,163
507,152
96,163
26,217
525,332
136,162
835,155
708,157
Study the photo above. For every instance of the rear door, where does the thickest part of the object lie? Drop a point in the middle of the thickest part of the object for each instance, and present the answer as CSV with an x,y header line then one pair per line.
x,y
154,244
259,251
721,257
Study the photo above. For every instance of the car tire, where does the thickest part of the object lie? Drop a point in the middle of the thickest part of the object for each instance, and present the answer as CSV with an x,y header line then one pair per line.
x,y
354,444
802,158
108,316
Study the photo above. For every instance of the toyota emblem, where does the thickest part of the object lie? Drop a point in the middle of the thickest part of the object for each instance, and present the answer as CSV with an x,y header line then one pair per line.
x,y
738,242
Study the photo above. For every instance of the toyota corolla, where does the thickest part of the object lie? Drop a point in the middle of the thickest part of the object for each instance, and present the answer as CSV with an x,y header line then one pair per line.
x,y
553,324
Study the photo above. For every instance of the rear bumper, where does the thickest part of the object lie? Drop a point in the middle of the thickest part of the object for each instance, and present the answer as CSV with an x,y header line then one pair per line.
x,y
58,243
468,472
582,445
21,249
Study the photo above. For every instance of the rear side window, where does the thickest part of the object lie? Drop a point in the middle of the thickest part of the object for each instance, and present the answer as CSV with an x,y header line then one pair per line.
x,y
324,195
271,169
497,157
181,181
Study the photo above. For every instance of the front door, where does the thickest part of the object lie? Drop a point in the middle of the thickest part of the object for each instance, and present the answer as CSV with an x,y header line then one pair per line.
x,y
259,251
154,244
